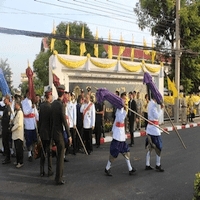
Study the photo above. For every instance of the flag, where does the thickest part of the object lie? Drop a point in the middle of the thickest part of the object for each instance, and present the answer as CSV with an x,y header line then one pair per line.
x,y
153,53
67,41
172,87
145,45
96,50
82,45
53,39
132,52
3,84
121,48
110,53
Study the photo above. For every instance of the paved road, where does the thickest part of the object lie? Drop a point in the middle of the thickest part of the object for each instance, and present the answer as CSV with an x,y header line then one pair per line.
x,y
86,180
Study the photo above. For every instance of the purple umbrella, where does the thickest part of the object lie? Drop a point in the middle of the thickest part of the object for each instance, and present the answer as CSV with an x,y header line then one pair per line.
x,y
152,87
103,94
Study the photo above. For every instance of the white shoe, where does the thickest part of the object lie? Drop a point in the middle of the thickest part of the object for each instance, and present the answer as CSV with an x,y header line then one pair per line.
x,y
19,165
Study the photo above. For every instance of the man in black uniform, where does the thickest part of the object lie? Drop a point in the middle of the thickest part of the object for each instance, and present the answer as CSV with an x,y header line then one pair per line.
x,y
131,116
58,121
5,123
44,130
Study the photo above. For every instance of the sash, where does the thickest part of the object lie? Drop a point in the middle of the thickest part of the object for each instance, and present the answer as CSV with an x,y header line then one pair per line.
x,y
88,107
118,124
31,115
154,122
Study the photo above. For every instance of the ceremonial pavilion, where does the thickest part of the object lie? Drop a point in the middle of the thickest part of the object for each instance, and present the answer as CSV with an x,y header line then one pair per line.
x,y
78,72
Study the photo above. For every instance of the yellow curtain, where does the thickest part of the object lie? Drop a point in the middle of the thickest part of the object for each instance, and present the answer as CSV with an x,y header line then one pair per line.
x,y
82,45
145,45
153,69
121,48
103,65
96,50
110,52
153,54
53,39
67,41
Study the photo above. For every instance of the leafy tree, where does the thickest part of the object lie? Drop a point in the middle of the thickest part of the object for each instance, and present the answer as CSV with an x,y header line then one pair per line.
x,y
7,72
159,17
41,62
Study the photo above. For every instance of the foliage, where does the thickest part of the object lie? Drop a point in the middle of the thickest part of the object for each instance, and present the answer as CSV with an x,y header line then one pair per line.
x,y
7,72
41,67
159,17
108,126
38,86
75,30
197,186
41,62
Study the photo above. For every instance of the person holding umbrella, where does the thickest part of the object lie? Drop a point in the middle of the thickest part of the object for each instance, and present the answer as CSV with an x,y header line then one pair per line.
x,y
118,144
153,140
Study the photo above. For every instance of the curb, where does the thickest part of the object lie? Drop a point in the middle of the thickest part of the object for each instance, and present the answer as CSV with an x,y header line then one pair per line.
x,y
143,132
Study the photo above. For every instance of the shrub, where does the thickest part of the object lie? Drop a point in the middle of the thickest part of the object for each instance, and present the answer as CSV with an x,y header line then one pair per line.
x,y
197,187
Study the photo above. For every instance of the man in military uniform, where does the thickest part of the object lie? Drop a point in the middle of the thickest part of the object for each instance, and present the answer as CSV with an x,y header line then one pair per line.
x,y
58,121
6,133
44,130
139,111
131,116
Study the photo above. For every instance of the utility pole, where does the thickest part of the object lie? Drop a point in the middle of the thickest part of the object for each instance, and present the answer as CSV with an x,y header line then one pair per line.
x,y
177,61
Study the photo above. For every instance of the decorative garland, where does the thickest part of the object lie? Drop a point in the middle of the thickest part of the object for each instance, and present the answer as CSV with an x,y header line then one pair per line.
x,y
69,63
153,69
131,68
103,65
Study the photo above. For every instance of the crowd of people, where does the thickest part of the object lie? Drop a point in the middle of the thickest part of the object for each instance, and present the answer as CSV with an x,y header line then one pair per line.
x,y
66,125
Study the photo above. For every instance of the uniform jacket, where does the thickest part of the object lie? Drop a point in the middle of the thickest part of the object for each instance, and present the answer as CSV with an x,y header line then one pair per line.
x,y
29,123
5,120
45,121
132,105
18,128
59,120
71,113
153,115
119,132
89,117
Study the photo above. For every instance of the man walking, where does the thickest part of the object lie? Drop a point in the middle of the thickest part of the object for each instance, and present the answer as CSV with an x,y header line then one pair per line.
x,y
58,121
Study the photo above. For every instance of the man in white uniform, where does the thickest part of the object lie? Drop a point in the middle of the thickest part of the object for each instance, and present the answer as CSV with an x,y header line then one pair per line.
x,y
89,113
71,114
30,119
153,140
118,144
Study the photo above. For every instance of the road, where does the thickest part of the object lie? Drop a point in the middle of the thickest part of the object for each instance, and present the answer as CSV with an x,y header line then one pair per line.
x,y
85,178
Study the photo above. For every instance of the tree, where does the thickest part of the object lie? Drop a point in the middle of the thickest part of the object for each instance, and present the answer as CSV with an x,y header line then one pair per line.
x,y
7,72
159,17
41,62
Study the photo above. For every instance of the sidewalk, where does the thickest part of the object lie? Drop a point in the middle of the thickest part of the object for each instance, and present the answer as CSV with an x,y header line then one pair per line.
x,y
167,126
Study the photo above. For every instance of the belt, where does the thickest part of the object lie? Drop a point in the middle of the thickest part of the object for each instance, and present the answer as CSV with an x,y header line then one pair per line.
x,y
31,115
154,122
118,124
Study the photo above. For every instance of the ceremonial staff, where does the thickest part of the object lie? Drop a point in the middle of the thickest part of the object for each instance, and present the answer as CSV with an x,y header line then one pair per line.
x,y
152,87
103,94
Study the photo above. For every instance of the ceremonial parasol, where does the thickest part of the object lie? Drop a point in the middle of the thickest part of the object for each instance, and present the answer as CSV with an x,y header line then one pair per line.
x,y
3,84
103,94
29,74
56,80
158,97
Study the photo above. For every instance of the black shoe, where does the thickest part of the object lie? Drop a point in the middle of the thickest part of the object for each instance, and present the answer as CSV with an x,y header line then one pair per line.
x,y
66,160
148,167
131,145
42,174
30,158
159,169
108,172
60,182
6,161
132,171
50,174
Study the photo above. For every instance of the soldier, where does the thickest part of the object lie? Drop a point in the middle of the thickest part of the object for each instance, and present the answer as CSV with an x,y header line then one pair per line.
x,y
30,119
44,130
183,110
6,133
58,121
70,110
131,116
139,111
88,111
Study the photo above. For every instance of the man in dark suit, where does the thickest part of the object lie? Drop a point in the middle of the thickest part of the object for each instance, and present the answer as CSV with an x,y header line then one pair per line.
x,y
131,116
44,130
58,121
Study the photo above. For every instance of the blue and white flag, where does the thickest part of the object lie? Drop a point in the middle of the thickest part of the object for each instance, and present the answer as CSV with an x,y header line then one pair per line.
x,y
3,84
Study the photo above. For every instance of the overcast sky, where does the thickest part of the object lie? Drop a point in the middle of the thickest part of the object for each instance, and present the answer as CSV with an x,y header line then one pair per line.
x,y
33,15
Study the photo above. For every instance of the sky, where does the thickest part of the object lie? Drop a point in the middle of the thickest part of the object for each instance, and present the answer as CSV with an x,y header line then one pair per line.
x,y
39,16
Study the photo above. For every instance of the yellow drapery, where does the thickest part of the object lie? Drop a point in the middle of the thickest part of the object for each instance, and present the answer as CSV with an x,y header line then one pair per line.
x,y
103,65
131,68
